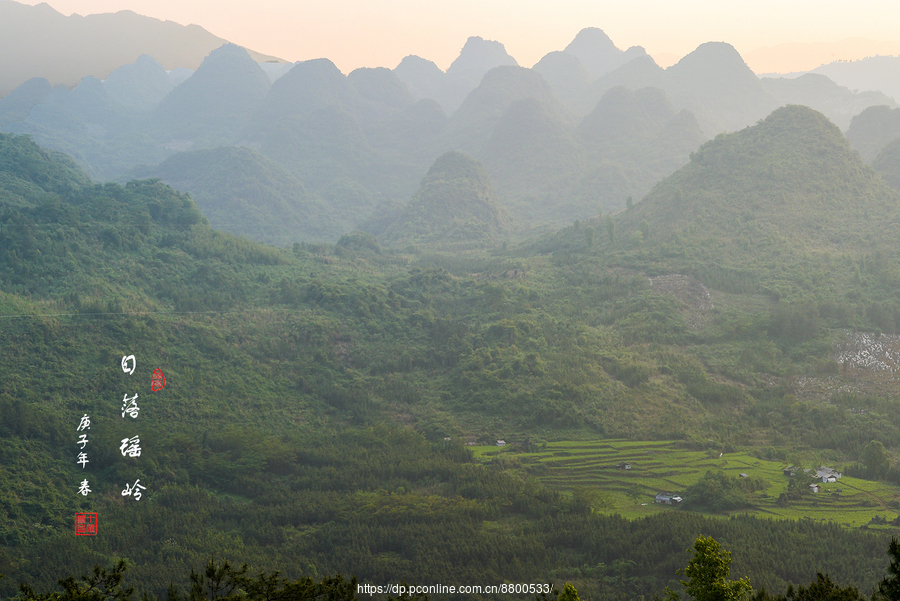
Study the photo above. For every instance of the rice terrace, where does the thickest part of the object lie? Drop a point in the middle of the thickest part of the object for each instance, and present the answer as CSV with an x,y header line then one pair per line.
x,y
624,477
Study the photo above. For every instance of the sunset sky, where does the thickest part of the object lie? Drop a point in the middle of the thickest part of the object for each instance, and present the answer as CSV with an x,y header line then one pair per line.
x,y
356,33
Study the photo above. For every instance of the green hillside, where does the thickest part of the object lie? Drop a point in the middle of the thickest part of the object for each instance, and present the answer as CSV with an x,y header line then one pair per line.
x,y
872,129
319,398
456,203
887,163
470,126
532,157
638,134
240,191
215,103
786,203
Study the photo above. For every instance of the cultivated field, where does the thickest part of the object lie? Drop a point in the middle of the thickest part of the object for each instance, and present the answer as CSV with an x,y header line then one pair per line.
x,y
595,468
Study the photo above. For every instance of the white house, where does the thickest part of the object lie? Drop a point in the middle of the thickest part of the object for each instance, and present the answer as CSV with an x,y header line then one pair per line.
x,y
827,474
667,499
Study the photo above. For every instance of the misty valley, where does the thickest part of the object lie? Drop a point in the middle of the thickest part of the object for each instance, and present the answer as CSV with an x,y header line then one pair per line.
x,y
594,324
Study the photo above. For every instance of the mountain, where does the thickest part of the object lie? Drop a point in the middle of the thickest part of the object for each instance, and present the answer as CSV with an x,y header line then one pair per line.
x,y
38,41
240,191
314,123
471,125
407,143
640,72
622,117
864,76
140,86
307,87
31,176
881,73
275,69
789,189
795,58
642,127
872,129
716,85
455,204
477,57
16,105
88,125
102,124
421,76
820,93
887,163
179,75
216,102
532,157
381,92
712,82
597,53
566,76
632,141
308,123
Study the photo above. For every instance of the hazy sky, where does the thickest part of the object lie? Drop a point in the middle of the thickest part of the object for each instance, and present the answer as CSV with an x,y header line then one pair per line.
x,y
373,33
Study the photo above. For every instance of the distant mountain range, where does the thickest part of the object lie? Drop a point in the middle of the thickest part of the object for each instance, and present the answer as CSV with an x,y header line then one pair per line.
x,y
39,41
801,57
584,130
877,73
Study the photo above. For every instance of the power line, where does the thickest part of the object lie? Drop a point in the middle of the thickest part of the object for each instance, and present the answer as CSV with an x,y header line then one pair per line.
x,y
122,313
141,313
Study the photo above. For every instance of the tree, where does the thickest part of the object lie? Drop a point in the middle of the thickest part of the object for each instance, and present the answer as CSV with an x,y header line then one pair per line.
x,y
823,589
707,574
889,588
644,227
568,594
101,586
876,459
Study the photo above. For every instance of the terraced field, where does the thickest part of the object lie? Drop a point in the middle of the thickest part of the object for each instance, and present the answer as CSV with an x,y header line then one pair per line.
x,y
596,468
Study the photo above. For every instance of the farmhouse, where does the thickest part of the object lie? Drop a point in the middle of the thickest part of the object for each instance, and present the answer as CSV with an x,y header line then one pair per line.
x,y
790,471
501,443
827,474
667,498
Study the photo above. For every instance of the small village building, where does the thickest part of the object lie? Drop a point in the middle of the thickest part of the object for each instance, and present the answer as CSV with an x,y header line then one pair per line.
x,y
827,474
667,498
790,471
814,488
501,443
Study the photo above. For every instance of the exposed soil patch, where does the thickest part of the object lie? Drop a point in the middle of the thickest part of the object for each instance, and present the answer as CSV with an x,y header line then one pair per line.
x,y
691,292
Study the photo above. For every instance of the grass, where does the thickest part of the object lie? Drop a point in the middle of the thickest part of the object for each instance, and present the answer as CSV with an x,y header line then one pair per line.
x,y
661,466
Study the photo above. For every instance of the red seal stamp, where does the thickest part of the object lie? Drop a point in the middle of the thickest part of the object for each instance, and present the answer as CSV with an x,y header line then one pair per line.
x,y
85,524
159,380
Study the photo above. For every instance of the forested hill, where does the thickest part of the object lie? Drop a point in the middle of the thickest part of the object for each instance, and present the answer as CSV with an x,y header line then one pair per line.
x,y
455,203
241,191
319,399
789,190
